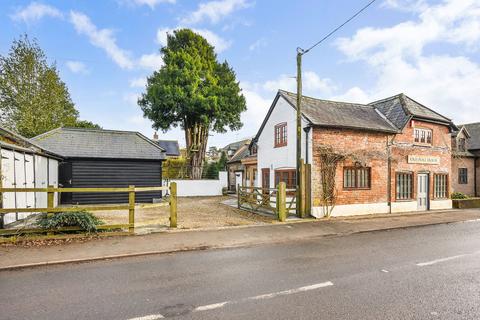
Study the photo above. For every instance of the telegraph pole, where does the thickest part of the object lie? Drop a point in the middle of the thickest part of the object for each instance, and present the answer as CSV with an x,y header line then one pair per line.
x,y
298,205
300,53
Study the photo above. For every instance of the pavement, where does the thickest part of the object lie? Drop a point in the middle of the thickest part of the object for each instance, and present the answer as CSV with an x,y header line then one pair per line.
x,y
231,237
428,272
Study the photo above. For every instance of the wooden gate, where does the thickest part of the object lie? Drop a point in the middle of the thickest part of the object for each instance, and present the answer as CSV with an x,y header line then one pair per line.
x,y
277,202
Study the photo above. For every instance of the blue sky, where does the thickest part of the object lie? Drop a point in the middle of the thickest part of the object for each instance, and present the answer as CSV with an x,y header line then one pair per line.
x,y
105,50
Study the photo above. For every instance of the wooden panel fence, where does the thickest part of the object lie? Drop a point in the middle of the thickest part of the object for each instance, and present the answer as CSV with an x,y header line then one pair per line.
x,y
131,206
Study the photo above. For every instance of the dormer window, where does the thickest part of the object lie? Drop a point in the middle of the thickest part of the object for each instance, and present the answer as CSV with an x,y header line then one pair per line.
x,y
423,136
461,146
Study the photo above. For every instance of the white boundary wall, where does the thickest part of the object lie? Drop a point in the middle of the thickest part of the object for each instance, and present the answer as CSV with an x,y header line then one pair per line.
x,y
197,188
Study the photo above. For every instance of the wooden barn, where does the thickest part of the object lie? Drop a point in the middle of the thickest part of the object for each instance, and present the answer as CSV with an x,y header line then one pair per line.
x,y
24,164
105,158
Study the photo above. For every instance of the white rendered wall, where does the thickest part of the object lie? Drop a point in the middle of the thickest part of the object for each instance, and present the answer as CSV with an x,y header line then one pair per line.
x,y
404,206
440,204
196,188
283,157
353,209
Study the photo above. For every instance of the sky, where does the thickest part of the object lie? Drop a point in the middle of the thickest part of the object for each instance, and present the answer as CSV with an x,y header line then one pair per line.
x,y
105,50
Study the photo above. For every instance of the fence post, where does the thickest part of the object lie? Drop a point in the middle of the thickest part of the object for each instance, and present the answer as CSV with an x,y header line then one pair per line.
x,y
282,202
173,205
50,203
238,196
131,209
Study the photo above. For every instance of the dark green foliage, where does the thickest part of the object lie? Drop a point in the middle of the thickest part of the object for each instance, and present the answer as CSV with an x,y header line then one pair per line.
x,y
210,170
82,219
86,124
222,162
459,195
193,91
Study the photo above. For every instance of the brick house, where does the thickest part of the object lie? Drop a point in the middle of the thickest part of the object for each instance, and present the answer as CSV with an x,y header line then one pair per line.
x,y
465,163
396,152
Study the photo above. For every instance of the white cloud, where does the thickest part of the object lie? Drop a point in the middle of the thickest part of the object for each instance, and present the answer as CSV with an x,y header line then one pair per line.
x,y
102,38
214,11
150,3
77,67
131,98
260,43
140,82
312,84
215,40
34,12
398,57
153,61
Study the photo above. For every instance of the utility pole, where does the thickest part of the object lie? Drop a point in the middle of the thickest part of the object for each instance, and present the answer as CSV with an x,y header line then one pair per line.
x,y
300,53
299,131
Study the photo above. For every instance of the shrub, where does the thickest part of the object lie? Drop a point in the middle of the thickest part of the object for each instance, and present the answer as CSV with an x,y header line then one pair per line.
x,y
459,195
82,219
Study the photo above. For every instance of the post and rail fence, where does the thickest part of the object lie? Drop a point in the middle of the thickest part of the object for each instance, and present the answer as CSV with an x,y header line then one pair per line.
x,y
131,206
276,201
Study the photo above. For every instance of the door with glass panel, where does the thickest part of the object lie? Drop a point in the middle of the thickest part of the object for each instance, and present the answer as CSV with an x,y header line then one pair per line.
x,y
422,191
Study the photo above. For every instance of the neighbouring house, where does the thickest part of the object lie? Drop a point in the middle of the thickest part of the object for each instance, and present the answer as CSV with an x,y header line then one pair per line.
x,y
171,147
235,167
105,158
24,164
465,163
393,155
231,148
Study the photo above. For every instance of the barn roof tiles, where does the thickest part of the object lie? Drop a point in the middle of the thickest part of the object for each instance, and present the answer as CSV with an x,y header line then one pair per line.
x,y
99,143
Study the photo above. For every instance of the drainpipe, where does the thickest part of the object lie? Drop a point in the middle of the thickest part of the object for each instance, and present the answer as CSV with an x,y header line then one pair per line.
x,y
475,176
307,130
389,178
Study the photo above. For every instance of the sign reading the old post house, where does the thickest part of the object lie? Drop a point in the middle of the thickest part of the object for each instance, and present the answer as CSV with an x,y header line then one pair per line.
x,y
423,159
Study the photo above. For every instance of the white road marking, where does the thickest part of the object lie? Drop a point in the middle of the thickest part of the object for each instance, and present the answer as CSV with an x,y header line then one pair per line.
x,y
149,317
211,306
385,271
429,263
291,291
265,296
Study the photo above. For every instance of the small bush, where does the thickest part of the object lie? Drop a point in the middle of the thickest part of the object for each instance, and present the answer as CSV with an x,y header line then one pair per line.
x,y
459,195
82,219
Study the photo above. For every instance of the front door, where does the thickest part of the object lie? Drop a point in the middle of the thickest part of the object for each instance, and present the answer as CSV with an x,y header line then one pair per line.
x,y
422,192
266,178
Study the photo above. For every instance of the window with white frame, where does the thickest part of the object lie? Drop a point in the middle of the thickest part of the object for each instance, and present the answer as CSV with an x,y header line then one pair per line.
x,y
440,186
422,135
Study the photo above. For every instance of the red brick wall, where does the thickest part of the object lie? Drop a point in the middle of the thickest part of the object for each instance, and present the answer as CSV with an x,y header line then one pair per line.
x,y
403,145
463,162
375,144
352,141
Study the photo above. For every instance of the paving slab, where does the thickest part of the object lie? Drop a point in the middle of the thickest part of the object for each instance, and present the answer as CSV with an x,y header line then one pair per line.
x,y
178,240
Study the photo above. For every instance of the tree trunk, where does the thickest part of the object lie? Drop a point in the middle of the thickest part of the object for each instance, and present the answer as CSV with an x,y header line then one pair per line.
x,y
196,137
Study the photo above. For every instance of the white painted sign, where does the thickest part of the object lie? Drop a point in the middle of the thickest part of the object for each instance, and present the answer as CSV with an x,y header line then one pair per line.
x,y
423,159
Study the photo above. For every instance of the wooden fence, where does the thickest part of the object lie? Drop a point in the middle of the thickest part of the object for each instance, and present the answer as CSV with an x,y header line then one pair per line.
x,y
131,206
273,201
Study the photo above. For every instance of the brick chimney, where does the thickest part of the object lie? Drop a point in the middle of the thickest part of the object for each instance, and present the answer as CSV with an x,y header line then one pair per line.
x,y
155,136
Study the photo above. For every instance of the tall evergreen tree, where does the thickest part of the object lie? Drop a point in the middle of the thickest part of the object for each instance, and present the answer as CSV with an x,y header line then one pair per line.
x,y
194,91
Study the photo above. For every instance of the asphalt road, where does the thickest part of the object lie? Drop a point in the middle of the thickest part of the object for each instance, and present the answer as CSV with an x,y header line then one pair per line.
x,y
418,273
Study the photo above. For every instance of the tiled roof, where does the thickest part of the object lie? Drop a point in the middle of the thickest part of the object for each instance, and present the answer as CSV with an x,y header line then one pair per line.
x,y
170,146
241,153
341,114
236,145
98,143
400,108
474,131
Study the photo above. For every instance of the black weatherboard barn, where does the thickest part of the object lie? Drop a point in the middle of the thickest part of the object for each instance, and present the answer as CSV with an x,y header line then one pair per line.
x,y
105,158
